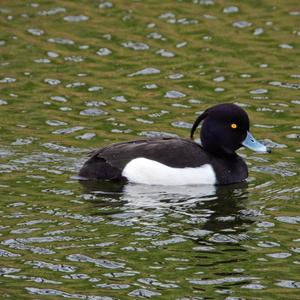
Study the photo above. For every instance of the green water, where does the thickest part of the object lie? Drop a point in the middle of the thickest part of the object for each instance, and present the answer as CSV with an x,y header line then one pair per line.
x,y
76,75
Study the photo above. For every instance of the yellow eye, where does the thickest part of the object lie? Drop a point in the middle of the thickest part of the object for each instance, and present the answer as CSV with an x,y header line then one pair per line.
x,y
233,126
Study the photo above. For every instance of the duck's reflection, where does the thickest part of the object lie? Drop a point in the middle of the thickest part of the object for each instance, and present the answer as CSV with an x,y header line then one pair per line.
x,y
219,205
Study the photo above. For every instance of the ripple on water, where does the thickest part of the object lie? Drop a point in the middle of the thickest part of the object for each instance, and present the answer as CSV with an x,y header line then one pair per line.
x,y
113,286
155,134
104,52
288,219
60,148
3,102
242,24
295,86
174,95
103,263
4,271
56,123
68,130
75,84
231,9
58,98
165,53
146,71
53,267
155,282
93,112
182,124
52,11
76,19
5,253
52,81
36,31
272,170
86,136
288,284
143,293
52,292
8,80
105,4
74,58
61,41
279,255
221,280
135,45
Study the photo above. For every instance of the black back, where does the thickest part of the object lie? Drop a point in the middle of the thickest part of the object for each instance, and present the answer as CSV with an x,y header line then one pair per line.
x,y
107,163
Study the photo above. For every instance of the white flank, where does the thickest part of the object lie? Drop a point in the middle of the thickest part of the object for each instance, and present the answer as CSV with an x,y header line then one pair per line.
x,y
147,171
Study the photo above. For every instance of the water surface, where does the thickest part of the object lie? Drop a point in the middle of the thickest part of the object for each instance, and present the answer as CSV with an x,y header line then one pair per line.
x,y
76,75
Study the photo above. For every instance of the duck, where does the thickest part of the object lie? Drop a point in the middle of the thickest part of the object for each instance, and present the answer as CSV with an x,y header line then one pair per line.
x,y
181,161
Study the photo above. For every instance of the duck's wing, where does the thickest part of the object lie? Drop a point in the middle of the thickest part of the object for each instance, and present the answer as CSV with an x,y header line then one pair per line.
x,y
108,162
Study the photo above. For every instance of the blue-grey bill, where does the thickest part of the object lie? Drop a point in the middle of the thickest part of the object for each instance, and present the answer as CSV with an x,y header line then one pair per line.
x,y
251,143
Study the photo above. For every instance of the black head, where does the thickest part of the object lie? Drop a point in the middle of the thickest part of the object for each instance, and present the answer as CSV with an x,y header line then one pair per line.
x,y
224,128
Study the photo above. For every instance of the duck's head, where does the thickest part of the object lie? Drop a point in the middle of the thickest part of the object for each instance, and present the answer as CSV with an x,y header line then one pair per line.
x,y
225,129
